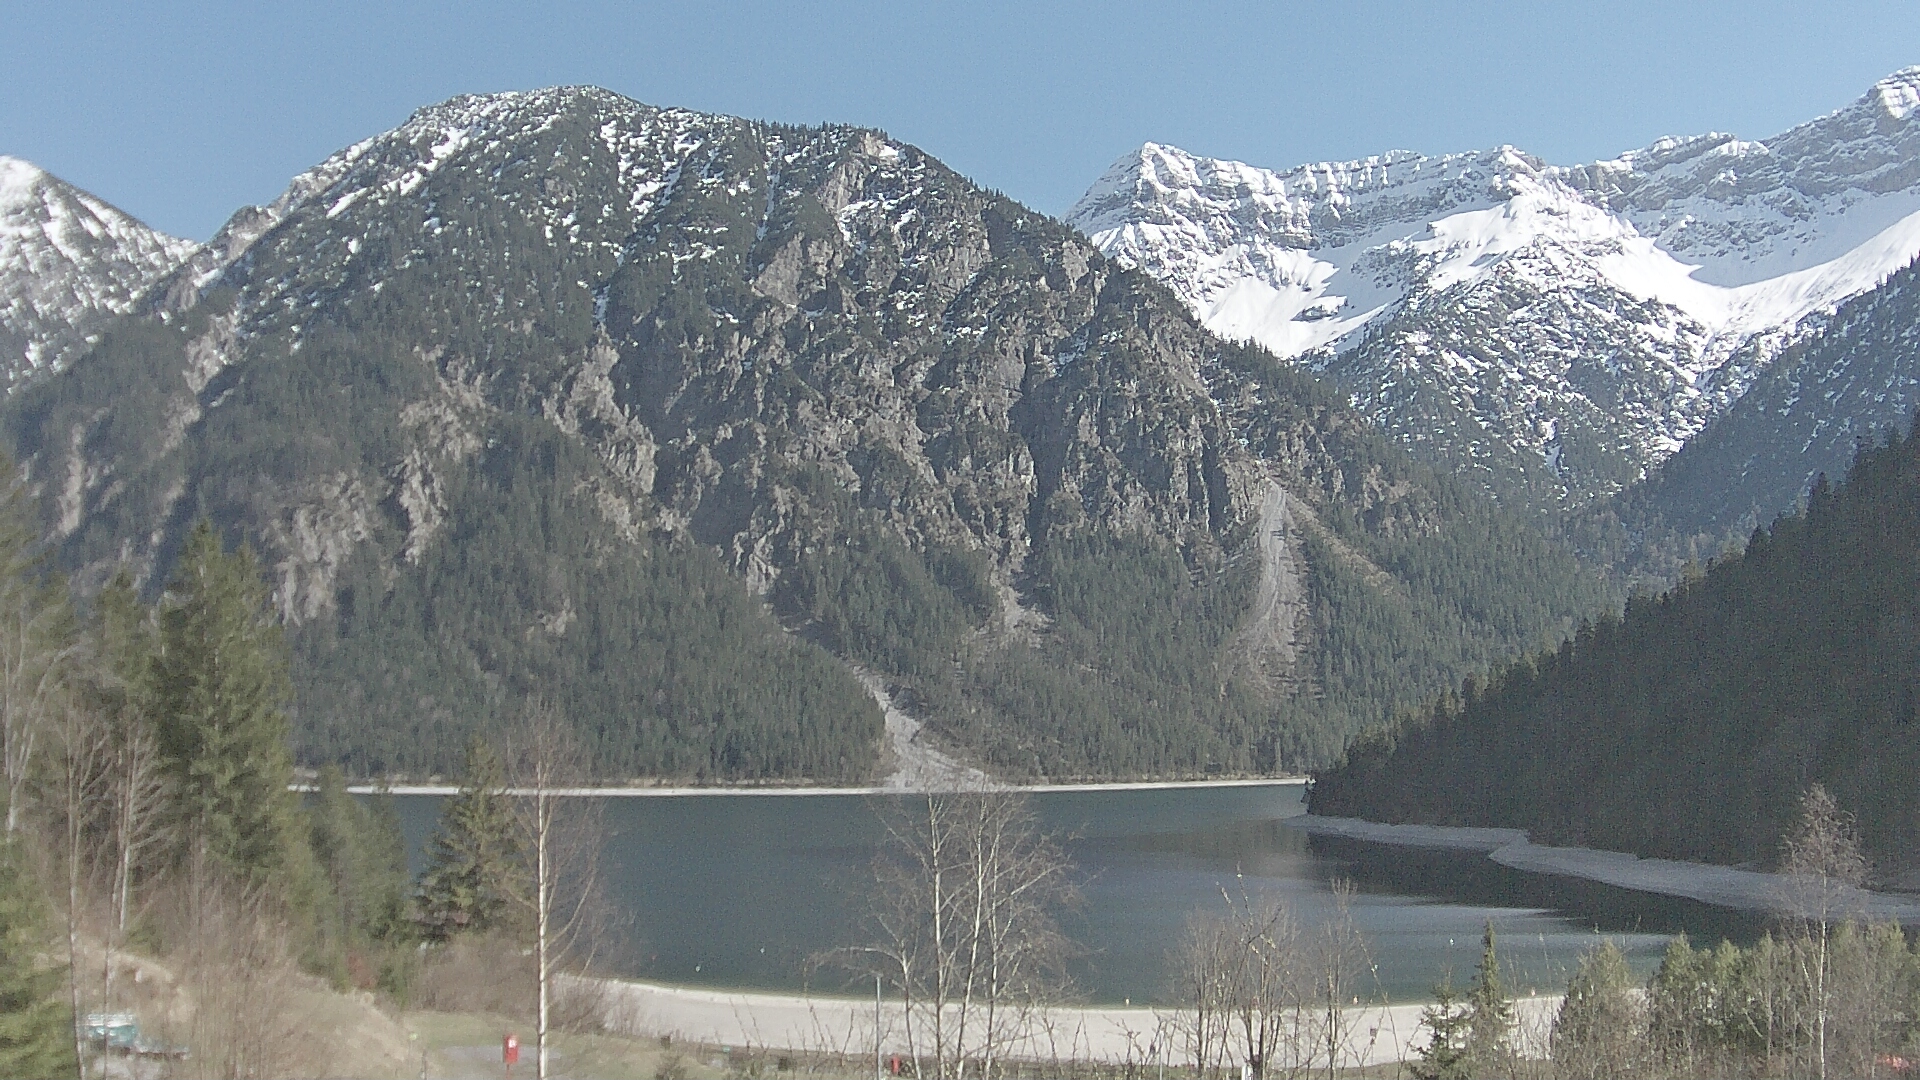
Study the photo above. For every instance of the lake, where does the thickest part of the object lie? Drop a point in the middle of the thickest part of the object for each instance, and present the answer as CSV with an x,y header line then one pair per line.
x,y
737,891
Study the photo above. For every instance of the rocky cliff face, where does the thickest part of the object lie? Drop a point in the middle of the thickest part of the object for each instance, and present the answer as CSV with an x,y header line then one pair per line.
x,y
1554,331
896,406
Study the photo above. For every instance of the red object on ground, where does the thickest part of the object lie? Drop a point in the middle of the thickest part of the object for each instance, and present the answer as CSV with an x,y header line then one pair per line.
x,y
510,1050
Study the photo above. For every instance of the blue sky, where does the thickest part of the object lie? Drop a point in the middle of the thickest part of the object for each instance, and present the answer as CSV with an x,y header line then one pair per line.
x,y
181,112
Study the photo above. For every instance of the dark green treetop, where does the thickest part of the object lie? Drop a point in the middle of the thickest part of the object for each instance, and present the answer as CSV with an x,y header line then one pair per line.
x,y
1599,1023
362,861
36,1036
1444,1055
1489,1012
473,856
220,689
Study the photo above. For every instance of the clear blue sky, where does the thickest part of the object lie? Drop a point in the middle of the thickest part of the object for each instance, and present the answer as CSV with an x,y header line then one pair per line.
x,y
180,112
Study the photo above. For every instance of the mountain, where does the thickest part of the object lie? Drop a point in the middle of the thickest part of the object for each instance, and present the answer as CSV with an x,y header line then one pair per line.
x,y
1554,331
1689,727
68,264
1806,415
672,420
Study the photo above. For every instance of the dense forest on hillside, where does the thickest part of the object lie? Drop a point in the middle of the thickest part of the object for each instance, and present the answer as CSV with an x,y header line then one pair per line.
x,y
1854,373
663,417
1688,726
667,662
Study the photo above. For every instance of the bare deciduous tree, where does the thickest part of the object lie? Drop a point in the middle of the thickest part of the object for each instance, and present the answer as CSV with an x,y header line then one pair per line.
x,y
137,806
964,927
1825,871
244,986
36,642
134,790
560,835
1262,990
1244,975
1339,958
80,774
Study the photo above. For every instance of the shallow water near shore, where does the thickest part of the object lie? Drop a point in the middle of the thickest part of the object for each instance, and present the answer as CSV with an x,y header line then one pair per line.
x,y
717,891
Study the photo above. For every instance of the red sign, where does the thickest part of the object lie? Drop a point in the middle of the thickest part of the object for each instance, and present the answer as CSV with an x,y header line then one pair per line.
x,y
510,1050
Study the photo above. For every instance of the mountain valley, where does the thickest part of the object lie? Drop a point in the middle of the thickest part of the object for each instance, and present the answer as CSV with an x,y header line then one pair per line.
x,y
667,418
701,429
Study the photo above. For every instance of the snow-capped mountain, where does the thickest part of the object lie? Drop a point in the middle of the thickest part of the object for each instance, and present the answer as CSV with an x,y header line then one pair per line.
x,y
1806,415
1557,329
68,262
341,204
503,396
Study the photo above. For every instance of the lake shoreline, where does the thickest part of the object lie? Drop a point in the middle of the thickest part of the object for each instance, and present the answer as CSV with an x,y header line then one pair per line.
x,y
682,791
1721,886
1379,1034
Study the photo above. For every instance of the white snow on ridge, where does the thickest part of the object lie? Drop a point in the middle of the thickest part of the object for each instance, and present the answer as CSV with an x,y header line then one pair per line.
x,y
68,261
476,136
1716,248
1279,286
1740,311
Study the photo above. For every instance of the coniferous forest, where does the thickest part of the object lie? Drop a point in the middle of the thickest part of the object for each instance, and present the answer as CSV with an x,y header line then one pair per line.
x,y
676,464
1688,726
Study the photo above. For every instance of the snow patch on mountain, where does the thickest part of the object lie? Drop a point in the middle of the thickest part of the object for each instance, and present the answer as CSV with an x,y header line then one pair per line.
x,y
68,263
1720,246
646,148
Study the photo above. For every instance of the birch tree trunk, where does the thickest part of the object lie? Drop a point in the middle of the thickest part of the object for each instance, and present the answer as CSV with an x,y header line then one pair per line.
x,y
561,835
963,925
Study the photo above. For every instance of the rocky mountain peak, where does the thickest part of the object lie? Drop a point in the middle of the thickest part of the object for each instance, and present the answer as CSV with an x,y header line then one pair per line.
x,y
68,262
1898,94
585,337
1689,263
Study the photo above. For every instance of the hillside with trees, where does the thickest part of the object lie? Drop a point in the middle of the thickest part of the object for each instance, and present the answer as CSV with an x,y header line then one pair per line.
x,y
671,419
150,811
176,898
1688,726
1844,380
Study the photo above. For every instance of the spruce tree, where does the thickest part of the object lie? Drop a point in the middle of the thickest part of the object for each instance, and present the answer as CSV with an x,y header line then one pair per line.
x,y
473,856
1489,1013
36,1027
1444,1055
1600,1026
362,861
220,688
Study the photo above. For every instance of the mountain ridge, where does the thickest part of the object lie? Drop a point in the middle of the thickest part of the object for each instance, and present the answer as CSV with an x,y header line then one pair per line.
x,y
587,346
69,263
1481,294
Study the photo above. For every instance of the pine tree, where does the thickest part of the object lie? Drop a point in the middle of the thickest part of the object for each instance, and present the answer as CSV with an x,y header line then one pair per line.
x,y
362,860
36,1027
1601,1025
1444,1056
473,856
1489,1013
221,688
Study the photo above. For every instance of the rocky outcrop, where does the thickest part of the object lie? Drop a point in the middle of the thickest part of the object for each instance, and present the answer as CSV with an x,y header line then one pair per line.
x,y
699,331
